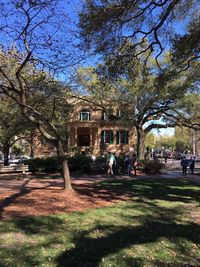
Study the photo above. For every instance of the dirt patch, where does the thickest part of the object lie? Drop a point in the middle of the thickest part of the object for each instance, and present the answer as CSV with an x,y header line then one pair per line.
x,y
21,197
32,197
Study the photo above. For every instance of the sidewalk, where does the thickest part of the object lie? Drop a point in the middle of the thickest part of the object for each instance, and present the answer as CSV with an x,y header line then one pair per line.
x,y
175,171
46,181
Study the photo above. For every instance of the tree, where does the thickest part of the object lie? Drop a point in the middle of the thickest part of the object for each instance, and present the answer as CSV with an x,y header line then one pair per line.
x,y
147,96
166,142
187,112
12,125
186,47
34,48
108,25
150,141
183,139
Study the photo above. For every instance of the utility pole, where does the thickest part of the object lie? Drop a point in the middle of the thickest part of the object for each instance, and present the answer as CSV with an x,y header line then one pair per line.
x,y
193,142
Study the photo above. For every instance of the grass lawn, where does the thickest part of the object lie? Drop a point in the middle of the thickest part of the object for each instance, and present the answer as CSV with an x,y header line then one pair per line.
x,y
158,226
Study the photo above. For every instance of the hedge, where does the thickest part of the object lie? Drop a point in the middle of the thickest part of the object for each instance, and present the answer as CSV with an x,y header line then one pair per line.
x,y
152,167
80,163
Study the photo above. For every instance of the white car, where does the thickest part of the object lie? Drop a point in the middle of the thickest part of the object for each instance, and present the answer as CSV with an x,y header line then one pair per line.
x,y
19,159
197,158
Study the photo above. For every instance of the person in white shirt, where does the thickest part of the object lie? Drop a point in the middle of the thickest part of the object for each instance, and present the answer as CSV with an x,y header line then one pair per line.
x,y
111,161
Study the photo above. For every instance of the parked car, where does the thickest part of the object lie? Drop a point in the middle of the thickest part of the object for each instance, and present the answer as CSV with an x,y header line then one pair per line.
x,y
19,159
187,156
1,158
197,158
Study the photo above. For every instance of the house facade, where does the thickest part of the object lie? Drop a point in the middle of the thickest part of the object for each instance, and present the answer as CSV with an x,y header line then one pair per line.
x,y
95,131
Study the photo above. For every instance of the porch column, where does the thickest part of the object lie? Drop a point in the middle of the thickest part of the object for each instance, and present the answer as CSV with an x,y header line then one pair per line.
x,y
75,136
91,130
115,136
96,138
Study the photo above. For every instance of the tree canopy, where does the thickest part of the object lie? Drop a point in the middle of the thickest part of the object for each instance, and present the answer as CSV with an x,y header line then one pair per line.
x,y
36,47
172,25
147,97
12,125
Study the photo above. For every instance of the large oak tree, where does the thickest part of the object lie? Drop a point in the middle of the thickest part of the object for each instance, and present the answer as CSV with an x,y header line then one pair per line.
x,y
148,97
107,26
36,46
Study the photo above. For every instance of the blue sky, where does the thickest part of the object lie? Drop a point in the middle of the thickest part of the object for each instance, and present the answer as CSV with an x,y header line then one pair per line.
x,y
164,132
73,7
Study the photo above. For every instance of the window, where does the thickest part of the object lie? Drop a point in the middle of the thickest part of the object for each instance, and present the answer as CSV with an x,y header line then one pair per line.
x,y
104,116
85,115
107,137
119,113
43,141
107,115
122,137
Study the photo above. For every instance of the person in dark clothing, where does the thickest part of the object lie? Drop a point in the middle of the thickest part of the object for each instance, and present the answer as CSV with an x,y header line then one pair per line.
x,y
128,165
125,164
165,157
192,164
184,164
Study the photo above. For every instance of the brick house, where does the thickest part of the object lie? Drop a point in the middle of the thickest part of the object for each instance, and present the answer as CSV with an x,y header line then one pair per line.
x,y
91,129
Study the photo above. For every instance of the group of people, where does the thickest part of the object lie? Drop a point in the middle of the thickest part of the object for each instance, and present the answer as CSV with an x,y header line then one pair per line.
x,y
185,163
113,164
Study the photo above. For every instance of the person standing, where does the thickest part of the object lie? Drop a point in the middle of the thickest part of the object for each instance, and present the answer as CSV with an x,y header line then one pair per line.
x,y
184,164
110,162
147,156
155,156
192,164
129,166
165,157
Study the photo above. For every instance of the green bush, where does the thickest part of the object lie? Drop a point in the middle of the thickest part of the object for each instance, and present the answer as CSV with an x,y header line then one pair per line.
x,y
79,163
152,167
49,164
101,160
76,163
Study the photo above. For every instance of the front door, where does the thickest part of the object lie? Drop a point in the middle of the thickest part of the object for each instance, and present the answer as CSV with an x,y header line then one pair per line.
x,y
84,140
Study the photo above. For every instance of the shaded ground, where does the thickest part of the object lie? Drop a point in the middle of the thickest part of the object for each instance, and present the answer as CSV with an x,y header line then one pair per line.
x,y
159,226
43,195
39,196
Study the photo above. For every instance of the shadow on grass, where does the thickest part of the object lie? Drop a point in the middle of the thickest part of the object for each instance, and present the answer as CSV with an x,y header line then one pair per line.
x,y
152,189
90,251
40,225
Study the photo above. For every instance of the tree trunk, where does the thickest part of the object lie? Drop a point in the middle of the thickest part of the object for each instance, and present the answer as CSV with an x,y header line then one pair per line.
x,y
32,146
6,149
65,170
140,143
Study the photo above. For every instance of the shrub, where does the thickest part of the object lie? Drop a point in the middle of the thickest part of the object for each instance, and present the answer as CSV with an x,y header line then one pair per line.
x,y
49,164
101,160
152,167
79,163
140,164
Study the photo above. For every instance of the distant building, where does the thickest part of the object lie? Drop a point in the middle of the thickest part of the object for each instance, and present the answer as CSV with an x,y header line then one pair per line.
x,y
94,130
